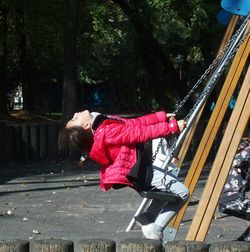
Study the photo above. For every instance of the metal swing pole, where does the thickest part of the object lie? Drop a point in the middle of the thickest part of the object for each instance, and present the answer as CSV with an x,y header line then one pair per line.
x,y
199,159
204,96
198,106
228,36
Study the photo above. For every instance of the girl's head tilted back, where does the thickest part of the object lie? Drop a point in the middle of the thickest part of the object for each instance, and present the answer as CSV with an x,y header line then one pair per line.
x,y
77,134
82,119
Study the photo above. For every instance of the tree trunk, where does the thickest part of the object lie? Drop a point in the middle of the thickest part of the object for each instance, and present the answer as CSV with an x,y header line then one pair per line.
x,y
70,102
159,67
3,63
25,66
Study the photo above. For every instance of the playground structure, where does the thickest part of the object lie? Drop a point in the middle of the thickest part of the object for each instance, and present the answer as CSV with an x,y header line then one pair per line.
x,y
203,217
237,123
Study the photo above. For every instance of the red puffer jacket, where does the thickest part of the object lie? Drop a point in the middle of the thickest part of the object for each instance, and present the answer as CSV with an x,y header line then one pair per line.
x,y
115,144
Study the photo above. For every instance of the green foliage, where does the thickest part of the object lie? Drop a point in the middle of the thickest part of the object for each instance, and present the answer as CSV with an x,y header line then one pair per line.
x,y
105,44
44,27
187,32
41,25
184,28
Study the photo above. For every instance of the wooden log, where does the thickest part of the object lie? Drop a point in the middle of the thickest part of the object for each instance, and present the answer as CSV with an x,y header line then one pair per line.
x,y
52,245
230,246
34,142
14,246
140,245
43,140
2,141
52,141
25,132
17,143
186,246
9,144
98,245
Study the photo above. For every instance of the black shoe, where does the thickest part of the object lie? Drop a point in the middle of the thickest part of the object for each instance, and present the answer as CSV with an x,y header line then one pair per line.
x,y
245,236
239,204
221,208
238,208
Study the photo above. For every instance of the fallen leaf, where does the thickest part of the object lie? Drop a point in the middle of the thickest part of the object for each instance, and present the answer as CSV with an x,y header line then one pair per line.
x,y
35,231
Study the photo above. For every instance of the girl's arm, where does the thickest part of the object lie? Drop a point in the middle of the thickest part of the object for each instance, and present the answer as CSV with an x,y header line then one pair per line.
x,y
120,134
152,118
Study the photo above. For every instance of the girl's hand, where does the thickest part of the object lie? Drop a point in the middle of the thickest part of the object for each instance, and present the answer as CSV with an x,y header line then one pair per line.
x,y
182,125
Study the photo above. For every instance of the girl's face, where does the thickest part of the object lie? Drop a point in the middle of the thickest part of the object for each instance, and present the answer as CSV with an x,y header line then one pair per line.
x,y
81,119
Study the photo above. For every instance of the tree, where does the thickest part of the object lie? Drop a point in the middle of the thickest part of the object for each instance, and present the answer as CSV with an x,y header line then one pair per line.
x,y
3,59
70,102
153,57
136,48
171,36
24,59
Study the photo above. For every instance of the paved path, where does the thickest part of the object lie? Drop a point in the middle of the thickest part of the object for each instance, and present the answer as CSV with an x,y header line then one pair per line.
x,y
41,201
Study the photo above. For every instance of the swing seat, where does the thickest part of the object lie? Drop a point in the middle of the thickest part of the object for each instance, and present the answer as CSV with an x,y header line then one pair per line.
x,y
160,195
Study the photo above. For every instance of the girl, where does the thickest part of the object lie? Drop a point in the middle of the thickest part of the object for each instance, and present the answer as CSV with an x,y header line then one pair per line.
x,y
118,145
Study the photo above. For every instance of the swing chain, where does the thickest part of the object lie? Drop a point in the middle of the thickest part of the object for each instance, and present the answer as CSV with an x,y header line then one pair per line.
x,y
197,84
212,65
203,77
157,150
207,90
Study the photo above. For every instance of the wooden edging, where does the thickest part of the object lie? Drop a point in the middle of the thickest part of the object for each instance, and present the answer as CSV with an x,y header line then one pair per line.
x,y
128,245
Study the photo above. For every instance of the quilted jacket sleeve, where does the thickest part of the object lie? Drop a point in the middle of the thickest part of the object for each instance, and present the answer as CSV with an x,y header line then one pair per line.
x,y
148,119
136,132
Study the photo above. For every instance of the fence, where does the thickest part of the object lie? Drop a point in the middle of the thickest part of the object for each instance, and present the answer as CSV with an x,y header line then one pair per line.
x,y
128,245
20,143
28,142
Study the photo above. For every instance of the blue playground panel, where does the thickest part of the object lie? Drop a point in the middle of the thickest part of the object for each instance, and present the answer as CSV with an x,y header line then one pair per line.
x,y
237,7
